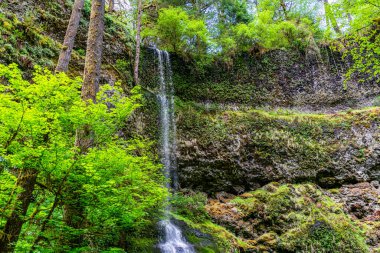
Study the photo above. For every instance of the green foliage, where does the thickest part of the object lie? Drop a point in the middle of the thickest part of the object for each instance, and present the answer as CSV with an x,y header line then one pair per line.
x,y
272,35
191,206
237,26
268,31
234,11
121,184
360,43
364,53
180,33
356,15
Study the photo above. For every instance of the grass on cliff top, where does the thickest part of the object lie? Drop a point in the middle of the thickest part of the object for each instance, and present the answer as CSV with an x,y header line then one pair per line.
x,y
215,112
353,116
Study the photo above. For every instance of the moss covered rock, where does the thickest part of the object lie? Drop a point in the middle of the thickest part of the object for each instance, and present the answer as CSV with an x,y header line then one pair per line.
x,y
236,151
290,218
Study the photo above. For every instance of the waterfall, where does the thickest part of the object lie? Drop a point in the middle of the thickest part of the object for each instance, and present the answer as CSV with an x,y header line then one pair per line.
x,y
172,240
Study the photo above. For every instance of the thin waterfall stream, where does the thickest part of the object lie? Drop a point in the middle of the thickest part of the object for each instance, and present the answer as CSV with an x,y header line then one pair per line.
x,y
172,240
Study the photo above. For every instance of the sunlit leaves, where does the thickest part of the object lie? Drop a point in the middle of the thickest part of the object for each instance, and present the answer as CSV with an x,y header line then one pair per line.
x,y
178,32
121,185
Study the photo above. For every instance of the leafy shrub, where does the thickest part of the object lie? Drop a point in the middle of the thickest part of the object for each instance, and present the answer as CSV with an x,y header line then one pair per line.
x,y
120,184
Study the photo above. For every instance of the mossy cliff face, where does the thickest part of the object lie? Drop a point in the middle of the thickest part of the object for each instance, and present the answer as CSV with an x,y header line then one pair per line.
x,y
236,151
275,79
228,142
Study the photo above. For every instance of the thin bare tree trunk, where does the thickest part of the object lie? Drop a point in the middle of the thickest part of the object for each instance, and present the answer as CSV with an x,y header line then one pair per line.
x,y
71,32
138,41
330,18
111,5
94,51
12,229
283,6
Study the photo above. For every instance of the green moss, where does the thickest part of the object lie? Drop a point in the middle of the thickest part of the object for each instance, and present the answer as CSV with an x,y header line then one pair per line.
x,y
30,37
191,205
25,43
274,135
190,208
207,250
304,218
141,244
284,218
225,240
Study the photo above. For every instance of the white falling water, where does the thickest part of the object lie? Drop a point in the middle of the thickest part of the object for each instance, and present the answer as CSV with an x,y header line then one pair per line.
x,y
172,240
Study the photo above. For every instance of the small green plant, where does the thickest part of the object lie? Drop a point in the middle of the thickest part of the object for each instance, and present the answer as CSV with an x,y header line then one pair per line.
x,y
81,52
122,65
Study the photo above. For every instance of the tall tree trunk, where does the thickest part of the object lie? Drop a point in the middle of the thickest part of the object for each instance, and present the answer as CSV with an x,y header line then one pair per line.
x,y
111,5
71,32
94,51
283,6
138,41
330,18
74,208
12,229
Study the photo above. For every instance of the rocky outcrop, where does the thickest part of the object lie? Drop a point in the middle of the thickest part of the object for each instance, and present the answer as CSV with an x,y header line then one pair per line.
x,y
297,218
361,200
240,151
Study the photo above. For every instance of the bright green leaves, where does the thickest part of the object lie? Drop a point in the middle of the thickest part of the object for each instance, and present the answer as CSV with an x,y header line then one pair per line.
x,y
178,32
33,114
361,43
356,15
267,33
239,26
120,185
363,52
